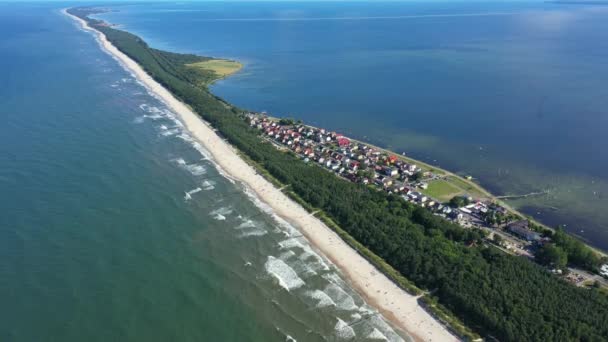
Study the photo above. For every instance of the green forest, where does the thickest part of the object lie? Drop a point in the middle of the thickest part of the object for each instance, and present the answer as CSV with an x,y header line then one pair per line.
x,y
497,295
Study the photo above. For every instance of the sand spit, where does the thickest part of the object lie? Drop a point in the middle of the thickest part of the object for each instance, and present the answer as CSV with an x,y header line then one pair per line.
x,y
398,306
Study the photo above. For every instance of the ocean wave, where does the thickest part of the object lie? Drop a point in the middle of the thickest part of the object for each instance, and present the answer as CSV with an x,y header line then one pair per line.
x,y
376,335
170,132
384,328
189,194
285,227
194,169
343,300
321,298
285,275
344,331
208,185
285,256
247,223
220,214
291,243
253,232
317,260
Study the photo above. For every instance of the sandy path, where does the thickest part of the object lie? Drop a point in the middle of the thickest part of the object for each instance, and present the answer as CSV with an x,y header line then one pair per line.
x,y
395,304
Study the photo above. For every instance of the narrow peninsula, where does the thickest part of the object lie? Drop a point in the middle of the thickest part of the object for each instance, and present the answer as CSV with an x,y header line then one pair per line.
x,y
431,274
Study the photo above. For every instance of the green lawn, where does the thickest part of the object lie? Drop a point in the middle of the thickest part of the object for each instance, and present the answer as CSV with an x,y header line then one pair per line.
x,y
442,190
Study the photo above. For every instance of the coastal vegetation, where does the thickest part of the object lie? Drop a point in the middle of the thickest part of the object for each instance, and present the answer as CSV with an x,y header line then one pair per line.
x,y
495,294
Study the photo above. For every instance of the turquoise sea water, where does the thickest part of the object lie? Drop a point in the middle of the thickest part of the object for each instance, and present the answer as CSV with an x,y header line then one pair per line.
x,y
116,227
512,93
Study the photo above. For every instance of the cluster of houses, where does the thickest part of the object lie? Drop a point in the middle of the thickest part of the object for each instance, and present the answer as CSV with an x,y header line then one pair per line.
x,y
352,160
359,163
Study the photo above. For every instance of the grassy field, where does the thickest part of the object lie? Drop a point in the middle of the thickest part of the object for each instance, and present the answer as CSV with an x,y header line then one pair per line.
x,y
468,187
221,67
442,190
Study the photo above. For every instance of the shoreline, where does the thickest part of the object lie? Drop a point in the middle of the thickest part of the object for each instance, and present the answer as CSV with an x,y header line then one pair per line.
x,y
396,305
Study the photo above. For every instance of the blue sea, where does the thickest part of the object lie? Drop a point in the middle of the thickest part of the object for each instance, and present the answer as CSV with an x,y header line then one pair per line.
x,y
511,93
116,226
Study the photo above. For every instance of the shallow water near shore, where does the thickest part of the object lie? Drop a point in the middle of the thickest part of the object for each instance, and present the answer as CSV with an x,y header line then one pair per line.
x,y
117,226
512,93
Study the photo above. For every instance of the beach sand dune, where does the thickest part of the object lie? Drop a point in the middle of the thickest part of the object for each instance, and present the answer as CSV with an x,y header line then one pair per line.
x,y
398,306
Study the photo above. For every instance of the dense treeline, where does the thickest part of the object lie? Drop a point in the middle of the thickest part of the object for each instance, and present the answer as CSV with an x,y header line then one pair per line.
x,y
577,252
499,295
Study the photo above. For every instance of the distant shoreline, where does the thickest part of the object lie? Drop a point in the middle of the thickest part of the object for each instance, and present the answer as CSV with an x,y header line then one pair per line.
x,y
401,308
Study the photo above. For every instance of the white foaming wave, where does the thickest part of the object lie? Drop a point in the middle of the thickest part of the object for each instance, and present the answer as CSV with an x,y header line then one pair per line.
x,y
250,228
196,170
179,161
208,185
321,298
296,264
376,335
285,275
220,214
247,223
189,194
254,232
344,331
334,278
291,243
203,151
287,255
317,260
383,327
287,228
157,113
169,132
309,262
342,299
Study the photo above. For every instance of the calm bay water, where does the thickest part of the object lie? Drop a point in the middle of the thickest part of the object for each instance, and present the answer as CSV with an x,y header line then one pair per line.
x,y
512,93
116,227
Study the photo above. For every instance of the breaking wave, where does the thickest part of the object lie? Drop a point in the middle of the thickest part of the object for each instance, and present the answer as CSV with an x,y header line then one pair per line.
x,y
342,299
344,331
321,298
376,335
189,194
285,275
220,214
208,185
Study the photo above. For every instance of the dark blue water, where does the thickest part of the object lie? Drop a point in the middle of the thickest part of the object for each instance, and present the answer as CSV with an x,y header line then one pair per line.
x,y
115,226
512,93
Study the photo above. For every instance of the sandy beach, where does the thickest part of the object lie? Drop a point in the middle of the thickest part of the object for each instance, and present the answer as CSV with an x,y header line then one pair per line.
x,y
395,304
